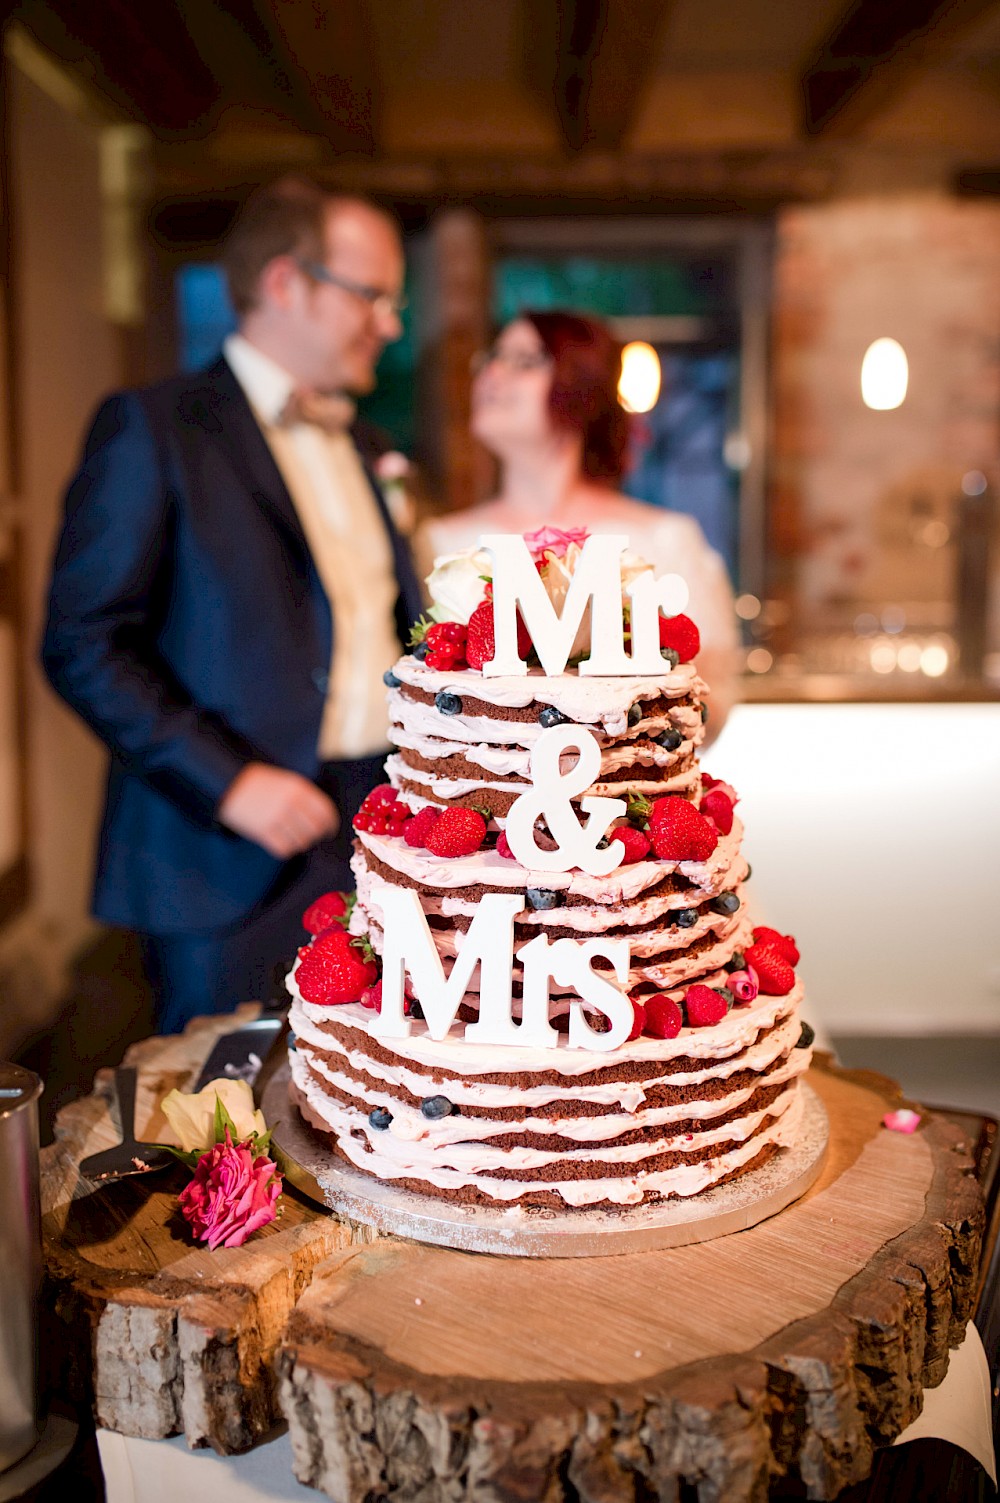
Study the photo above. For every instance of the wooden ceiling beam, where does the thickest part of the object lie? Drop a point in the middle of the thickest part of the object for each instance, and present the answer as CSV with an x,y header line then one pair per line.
x,y
141,58
328,50
592,59
869,55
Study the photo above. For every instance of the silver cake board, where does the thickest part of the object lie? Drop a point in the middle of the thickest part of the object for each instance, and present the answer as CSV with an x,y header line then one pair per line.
x,y
307,1160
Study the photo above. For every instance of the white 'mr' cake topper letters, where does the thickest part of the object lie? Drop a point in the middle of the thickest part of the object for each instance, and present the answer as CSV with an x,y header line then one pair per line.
x,y
596,582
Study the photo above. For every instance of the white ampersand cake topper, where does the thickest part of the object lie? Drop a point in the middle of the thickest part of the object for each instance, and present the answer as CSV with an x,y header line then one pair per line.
x,y
576,844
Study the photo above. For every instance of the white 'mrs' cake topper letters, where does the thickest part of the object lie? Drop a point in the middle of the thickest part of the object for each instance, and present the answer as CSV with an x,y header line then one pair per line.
x,y
596,583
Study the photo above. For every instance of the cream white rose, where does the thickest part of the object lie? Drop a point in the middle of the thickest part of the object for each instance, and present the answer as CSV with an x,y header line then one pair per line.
x,y
456,584
192,1116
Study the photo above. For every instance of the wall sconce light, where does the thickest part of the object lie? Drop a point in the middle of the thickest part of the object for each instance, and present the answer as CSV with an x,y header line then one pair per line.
x,y
639,382
885,373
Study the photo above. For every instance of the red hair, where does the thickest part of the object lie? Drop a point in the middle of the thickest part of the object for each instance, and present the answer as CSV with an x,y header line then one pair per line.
x,y
587,362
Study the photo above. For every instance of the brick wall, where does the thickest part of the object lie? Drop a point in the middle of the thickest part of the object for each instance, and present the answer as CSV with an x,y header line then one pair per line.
x,y
858,497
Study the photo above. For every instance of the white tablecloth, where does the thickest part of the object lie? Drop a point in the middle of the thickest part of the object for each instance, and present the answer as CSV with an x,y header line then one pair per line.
x,y
163,1471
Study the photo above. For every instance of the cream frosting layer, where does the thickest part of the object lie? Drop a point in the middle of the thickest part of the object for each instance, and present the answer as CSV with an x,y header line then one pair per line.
x,y
399,1159
455,1055
487,869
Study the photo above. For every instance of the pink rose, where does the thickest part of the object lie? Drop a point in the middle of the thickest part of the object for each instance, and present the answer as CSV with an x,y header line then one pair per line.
x,y
744,985
231,1195
555,540
902,1120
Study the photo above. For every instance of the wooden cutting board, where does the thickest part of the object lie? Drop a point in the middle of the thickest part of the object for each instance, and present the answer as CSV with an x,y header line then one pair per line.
x,y
789,1350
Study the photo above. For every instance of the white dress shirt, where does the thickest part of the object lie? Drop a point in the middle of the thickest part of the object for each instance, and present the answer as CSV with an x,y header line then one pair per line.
x,y
347,538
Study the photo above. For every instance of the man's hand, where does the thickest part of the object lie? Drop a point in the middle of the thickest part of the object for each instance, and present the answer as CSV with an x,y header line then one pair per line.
x,y
277,809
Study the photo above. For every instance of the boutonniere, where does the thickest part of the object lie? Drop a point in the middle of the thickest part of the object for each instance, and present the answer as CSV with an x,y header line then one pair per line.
x,y
392,471
225,1142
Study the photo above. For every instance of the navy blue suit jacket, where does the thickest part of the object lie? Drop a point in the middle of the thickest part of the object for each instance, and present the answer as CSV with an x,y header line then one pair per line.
x,y
189,628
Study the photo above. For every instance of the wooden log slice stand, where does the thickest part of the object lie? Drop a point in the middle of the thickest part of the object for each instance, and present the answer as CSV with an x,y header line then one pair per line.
x,y
779,1356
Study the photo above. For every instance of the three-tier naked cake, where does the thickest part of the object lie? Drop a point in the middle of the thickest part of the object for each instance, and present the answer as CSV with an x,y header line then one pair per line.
x,y
541,997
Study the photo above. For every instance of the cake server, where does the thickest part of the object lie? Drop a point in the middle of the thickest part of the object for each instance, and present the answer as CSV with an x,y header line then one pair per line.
x,y
240,1055
130,1156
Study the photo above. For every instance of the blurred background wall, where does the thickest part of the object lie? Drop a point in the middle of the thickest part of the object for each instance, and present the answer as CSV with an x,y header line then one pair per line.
x,y
758,188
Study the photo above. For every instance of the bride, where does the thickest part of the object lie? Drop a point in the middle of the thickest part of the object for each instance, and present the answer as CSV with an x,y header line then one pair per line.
x,y
545,403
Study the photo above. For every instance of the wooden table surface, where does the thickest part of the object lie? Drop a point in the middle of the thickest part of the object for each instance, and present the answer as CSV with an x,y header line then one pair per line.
x,y
160,1336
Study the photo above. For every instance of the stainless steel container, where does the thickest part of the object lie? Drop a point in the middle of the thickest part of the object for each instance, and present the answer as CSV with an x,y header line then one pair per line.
x,y
20,1262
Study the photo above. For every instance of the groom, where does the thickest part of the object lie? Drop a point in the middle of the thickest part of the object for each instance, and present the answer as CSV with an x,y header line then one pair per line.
x,y
228,590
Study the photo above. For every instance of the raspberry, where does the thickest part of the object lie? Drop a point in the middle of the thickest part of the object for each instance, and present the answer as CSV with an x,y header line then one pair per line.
x,y
385,793
785,943
664,1019
335,968
417,829
446,645
378,824
371,997
704,1006
775,975
635,842
362,821
717,806
459,832
332,908
639,1022
679,832
680,633
503,849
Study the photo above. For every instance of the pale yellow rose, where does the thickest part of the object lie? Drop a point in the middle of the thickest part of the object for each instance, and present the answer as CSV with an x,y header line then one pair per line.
x,y
456,584
192,1115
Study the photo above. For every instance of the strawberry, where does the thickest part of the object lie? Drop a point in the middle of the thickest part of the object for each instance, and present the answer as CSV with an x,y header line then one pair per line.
x,y
639,1021
679,832
718,807
775,975
335,968
664,1019
481,643
680,633
417,829
331,909
704,1006
785,943
635,842
458,832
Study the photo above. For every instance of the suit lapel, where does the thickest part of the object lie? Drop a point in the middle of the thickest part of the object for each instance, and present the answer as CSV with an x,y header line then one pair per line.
x,y
220,406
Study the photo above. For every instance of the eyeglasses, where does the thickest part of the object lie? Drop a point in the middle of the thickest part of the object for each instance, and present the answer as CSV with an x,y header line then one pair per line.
x,y
380,302
514,360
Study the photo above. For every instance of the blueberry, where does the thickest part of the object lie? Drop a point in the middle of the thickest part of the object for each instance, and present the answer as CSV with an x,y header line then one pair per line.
x,y
726,902
380,1118
634,714
390,680
726,995
415,1010
540,897
806,1036
550,716
670,739
603,843
749,873
437,1106
421,650
703,709
448,704
685,917
738,961
671,655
